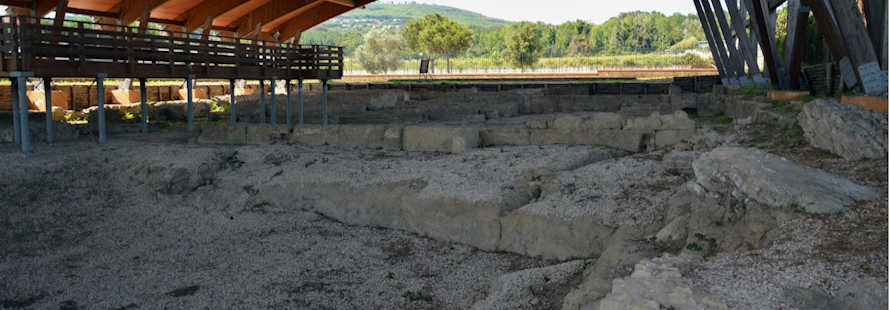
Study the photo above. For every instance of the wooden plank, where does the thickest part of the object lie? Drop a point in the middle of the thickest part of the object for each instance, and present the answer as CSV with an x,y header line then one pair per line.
x,y
721,69
774,4
748,43
736,58
796,57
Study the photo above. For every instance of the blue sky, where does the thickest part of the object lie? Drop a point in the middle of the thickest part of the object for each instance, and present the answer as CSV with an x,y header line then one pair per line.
x,y
559,11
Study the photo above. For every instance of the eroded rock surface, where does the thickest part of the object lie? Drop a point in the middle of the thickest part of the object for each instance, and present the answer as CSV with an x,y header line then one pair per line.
x,y
774,181
847,130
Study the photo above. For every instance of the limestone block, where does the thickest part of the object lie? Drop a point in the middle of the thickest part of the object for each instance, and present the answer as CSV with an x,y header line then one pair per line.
x,y
536,124
861,295
266,133
680,161
549,237
652,122
610,103
362,136
543,104
316,135
438,138
736,108
392,138
601,121
489,113
680,102
677,121
565,123
226,133
504,136
775,181
566,104
553,136
628,140
670,137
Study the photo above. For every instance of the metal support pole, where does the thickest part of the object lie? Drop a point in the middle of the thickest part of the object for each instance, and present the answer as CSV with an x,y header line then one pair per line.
x,y
100,95
23,113
300,85
324,88
142,97
232,98
274,115
48,91
190,90
16,121
262,102
287,100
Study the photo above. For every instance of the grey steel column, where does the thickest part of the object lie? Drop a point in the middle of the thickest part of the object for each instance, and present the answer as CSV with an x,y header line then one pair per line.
x,y
232,98
23,112
300,85
16,121
274,115
190,90
100,95
324,88
262,102
287,87
142,96
48,91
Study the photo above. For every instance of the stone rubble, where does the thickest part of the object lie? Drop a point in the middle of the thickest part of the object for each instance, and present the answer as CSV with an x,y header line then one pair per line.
x,y
657,284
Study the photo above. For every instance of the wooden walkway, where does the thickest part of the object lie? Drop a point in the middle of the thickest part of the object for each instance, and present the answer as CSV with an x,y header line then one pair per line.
x,y
31,44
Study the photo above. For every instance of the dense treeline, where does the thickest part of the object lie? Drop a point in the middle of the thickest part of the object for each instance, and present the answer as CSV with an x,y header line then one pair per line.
x,y
627,33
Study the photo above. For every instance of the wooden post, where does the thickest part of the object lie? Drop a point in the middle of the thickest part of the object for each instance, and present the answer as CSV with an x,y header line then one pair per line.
x,y
721,69
61,9
793,7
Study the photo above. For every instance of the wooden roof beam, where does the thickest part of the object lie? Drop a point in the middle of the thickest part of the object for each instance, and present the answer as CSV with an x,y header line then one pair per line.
x,y
131,10
349,3
267,13
213,8
314,16
17,4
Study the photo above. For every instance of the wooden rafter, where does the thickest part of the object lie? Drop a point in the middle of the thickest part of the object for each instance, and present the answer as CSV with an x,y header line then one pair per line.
x,y
17,4
61,8
131,10
315,16
267,13
197,14
349,3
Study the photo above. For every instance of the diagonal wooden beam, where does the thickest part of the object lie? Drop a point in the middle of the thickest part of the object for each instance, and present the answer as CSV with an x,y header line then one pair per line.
x,y
131,10
767,44
314,16
746,42
269,12
349,3
862,52
796,56
143,19
774,4
208,23
737,60
61,8
791,31
718,60
194,16
17,4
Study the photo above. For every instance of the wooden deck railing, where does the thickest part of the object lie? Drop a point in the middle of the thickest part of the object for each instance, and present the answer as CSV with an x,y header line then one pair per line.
x,y
82,49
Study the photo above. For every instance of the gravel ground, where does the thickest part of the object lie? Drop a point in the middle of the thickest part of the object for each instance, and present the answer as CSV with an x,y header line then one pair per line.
x,y
76,232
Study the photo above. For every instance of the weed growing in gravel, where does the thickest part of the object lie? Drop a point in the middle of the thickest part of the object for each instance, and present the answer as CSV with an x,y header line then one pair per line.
x,y
711,242
866,268
390,275
414,296
803,210
583,267
233,161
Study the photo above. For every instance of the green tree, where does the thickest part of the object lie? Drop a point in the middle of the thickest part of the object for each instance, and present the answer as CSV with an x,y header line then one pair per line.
x,y
436,34
381,52
523,44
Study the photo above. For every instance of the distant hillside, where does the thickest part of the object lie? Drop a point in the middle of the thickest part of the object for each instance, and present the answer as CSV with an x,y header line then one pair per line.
x,y
392,15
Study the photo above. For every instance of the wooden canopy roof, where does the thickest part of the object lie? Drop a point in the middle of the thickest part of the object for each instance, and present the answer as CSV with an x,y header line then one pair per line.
x,y
262,19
